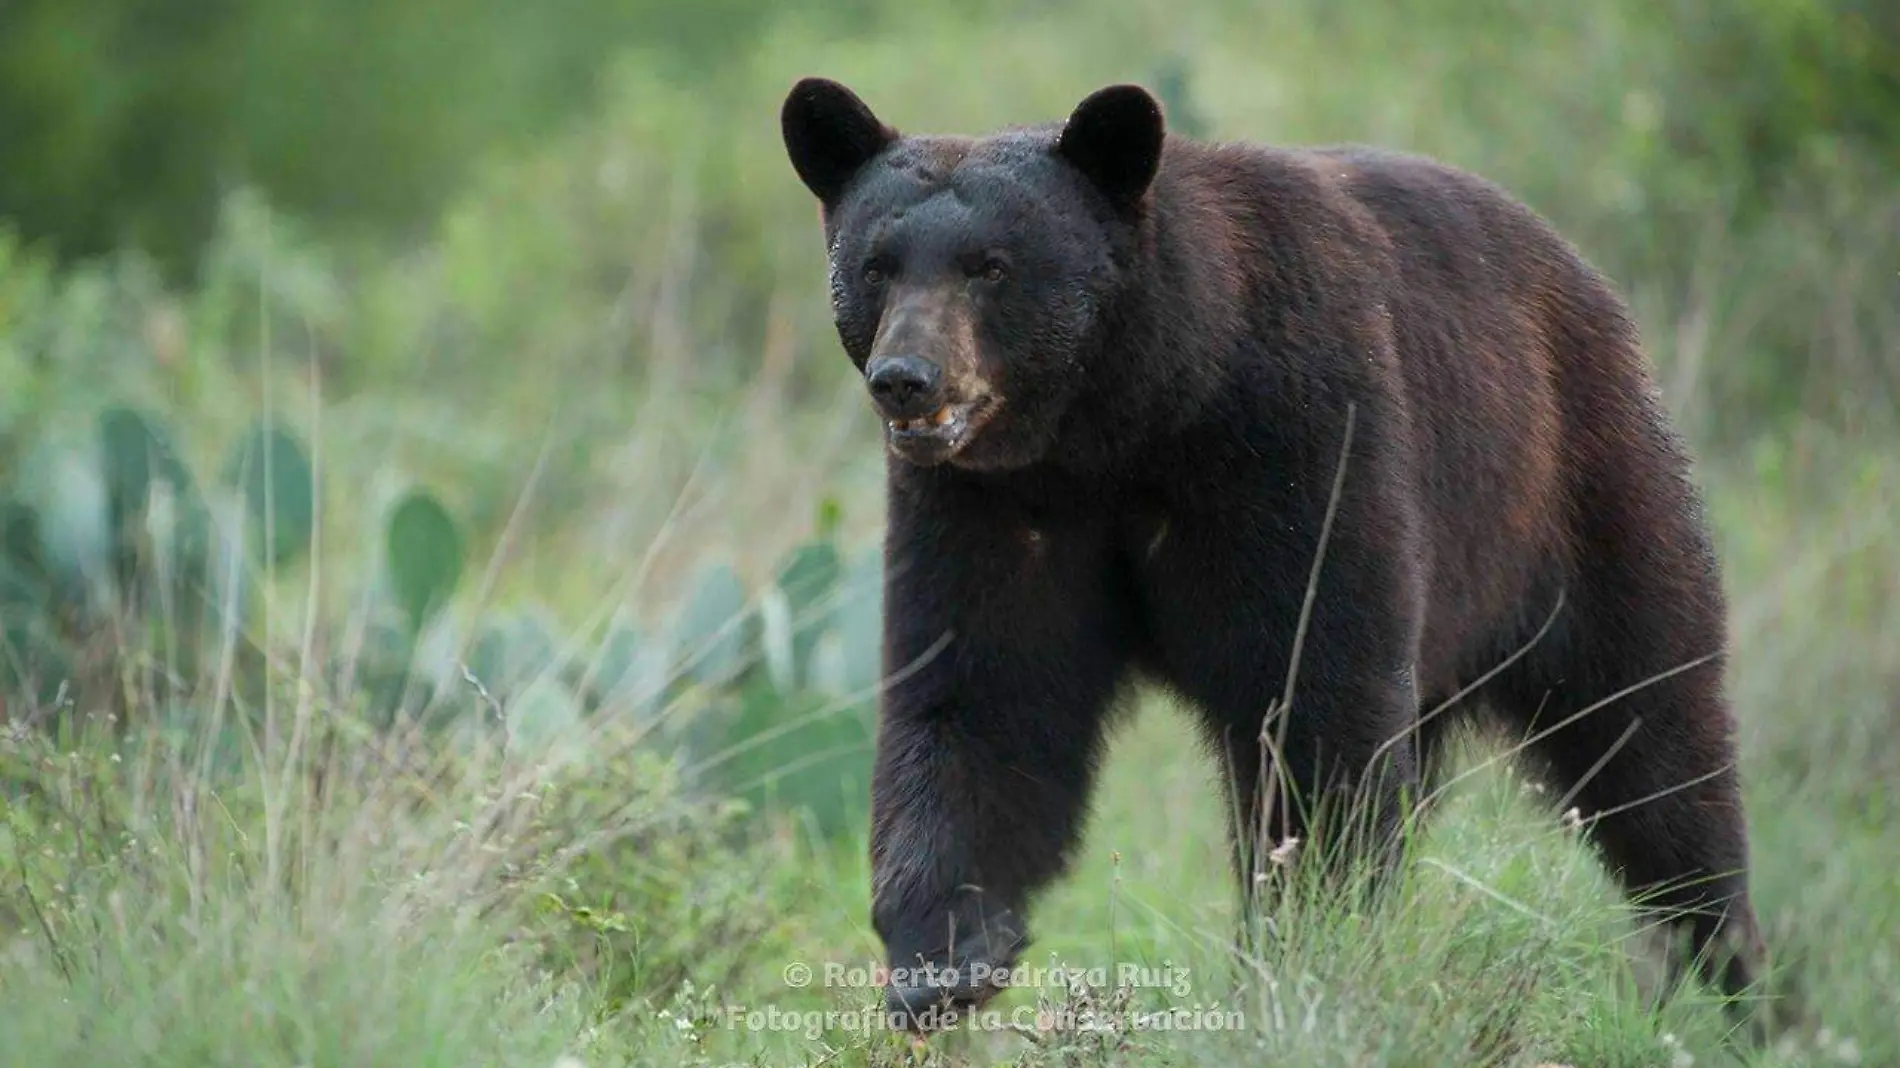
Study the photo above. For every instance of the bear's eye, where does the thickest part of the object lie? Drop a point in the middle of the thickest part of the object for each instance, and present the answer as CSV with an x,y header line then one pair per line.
x,y
874,274
995,270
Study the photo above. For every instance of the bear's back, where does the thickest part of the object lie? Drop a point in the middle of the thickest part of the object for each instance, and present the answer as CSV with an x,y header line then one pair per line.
x,y
1512,365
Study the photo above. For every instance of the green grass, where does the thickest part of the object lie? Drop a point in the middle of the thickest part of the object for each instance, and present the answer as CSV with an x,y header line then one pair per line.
x,y
343,901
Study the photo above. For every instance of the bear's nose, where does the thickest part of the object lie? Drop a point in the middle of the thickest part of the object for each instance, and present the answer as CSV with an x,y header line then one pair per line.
x,y
904,387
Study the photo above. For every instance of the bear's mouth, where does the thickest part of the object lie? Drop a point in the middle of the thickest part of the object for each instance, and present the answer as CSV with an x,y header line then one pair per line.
x,y
941,418
936,437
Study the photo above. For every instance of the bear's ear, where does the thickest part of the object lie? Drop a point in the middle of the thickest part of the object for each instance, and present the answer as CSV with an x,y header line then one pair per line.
x,y
1114,137
829,134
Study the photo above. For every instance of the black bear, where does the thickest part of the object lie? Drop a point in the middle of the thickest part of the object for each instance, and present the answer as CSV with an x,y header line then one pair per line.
x,y
1168,410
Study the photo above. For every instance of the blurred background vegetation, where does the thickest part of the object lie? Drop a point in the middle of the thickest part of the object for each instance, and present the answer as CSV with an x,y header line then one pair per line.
x,y
569,155
471,362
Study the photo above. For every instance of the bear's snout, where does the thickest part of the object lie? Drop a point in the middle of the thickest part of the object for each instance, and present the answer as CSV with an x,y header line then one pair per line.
x,y
905,386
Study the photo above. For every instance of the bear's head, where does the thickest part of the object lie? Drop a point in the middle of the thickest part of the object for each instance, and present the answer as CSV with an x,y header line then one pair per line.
x,y
972,279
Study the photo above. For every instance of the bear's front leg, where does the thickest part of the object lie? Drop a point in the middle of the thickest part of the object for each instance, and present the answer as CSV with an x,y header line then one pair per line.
x,y
1323,781
1004,645
1325,757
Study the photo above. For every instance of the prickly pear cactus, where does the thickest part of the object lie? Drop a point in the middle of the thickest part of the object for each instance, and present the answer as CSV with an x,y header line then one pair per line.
x,y
847,658
716,632
270,469
135,453
424,552
544,720
22,571
808,581
136,449
630,671
62,483
512,651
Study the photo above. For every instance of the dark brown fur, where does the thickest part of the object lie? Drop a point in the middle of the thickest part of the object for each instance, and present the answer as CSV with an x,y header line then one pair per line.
x,y
1167,368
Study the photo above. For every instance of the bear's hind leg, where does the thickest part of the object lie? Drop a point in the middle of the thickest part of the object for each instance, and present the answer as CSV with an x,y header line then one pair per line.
x,y
1626,710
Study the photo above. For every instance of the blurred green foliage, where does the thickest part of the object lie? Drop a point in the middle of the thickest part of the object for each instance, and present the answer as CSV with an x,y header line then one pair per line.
x,y
124,120
437,193
1766,84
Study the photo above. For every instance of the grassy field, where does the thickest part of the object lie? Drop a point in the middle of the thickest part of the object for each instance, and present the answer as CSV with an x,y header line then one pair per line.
x,y
612,358
341,901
